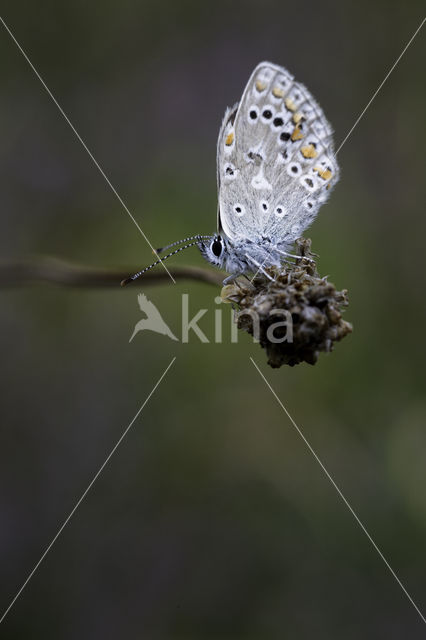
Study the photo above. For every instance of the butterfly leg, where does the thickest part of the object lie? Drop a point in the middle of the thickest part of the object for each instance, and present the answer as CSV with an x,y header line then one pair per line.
x,y
259,267
231,278
290,255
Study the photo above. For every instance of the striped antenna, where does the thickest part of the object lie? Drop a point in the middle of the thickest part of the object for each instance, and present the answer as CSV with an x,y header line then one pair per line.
x,y
154,264
173,244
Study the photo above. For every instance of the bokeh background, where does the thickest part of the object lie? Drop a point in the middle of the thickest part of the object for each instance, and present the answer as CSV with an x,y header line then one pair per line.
x,y
212,520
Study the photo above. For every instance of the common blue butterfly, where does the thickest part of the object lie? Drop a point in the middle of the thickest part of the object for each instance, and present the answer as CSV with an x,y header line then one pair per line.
x,y
275,167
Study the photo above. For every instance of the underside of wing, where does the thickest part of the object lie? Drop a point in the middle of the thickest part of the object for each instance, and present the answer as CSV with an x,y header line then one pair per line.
x,y
276,163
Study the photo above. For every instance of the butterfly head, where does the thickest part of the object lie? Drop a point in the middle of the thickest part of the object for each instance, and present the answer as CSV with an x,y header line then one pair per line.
x,y
213,250
227,255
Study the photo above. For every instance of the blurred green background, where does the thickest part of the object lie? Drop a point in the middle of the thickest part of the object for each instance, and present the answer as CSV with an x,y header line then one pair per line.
x,y
212,519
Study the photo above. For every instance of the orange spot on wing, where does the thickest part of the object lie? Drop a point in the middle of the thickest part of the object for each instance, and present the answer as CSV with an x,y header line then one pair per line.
x,y
260,86
229,139
290,104
277,92
297,117
325,174
309,151
297,134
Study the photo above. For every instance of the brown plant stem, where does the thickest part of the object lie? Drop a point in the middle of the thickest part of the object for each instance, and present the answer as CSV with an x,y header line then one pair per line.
x,y
51,270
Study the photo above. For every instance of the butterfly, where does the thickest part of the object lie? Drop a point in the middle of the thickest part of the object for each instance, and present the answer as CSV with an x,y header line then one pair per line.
x,y
275,167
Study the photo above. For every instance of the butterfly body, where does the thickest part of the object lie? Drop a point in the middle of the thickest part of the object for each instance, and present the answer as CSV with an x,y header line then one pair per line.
x,y
243,256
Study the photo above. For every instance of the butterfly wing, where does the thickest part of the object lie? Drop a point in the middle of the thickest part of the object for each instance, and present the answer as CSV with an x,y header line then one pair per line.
x,y
275,159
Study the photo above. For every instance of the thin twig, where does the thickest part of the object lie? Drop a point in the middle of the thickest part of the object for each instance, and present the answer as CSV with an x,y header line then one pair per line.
x,y
47,269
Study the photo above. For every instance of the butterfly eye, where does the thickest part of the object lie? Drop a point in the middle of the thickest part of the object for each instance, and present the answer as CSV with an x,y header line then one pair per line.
x,y
216,247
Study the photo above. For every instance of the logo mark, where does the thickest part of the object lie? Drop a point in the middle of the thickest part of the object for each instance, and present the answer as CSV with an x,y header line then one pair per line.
x,y
153,320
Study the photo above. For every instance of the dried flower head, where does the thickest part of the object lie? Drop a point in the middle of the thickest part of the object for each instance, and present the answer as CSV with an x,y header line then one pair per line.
x,y
294,316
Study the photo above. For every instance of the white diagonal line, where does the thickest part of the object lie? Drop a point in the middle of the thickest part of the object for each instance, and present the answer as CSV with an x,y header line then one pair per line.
x,y
340,493
84,494
369,103
92,157
258,269
381,85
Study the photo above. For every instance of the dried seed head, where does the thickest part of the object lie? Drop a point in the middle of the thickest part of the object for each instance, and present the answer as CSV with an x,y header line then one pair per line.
x,y
308,303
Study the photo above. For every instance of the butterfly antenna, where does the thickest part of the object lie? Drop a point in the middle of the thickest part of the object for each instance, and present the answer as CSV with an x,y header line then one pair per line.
x,y
173,244
154,264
